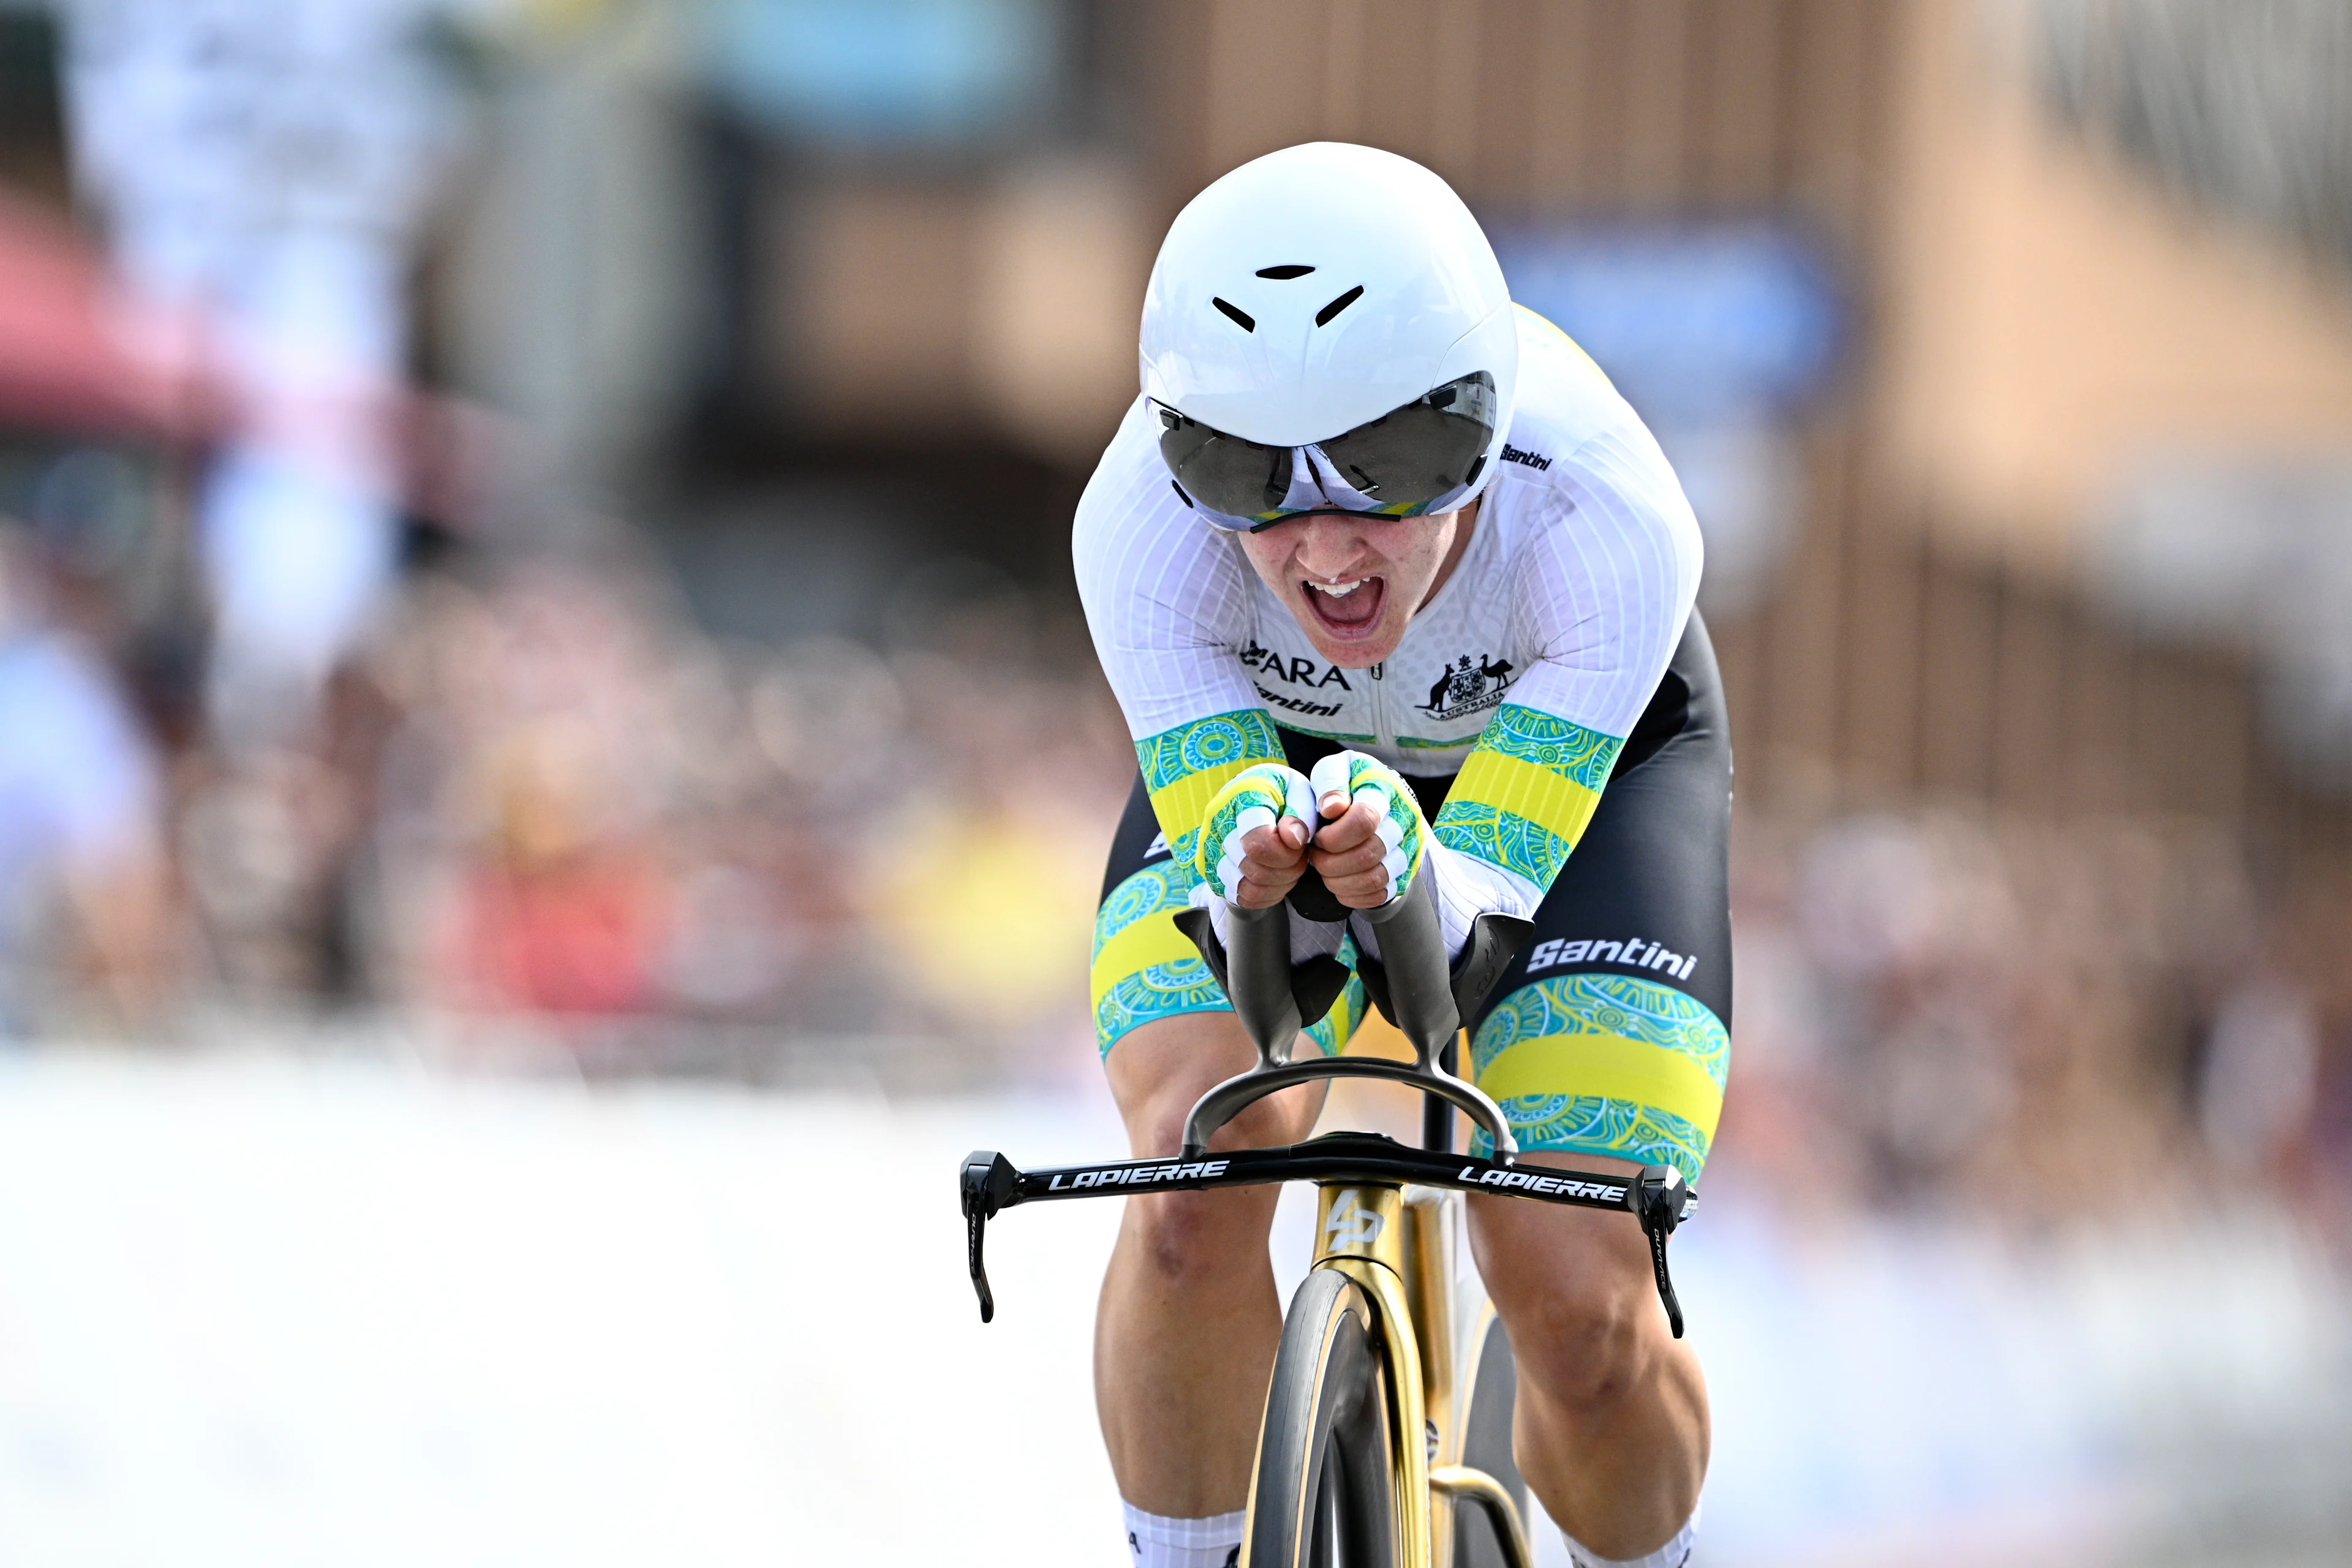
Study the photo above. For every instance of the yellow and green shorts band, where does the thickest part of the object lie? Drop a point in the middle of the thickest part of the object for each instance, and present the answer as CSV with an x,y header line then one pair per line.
x,y
1185,767
1602,1064
1144,968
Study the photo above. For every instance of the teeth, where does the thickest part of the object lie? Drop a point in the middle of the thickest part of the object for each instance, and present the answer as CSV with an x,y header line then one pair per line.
x,y
1340,590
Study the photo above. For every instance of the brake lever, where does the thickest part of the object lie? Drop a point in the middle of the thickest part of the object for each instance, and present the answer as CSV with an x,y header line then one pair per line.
x,y
989,1181
1657,1197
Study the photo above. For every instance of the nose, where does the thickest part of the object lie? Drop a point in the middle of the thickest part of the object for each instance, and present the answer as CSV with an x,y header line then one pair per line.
x,y
1331,546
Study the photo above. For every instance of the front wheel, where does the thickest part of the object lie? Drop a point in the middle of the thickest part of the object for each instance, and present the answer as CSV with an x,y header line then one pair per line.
x,y
1492,1389
1323,1495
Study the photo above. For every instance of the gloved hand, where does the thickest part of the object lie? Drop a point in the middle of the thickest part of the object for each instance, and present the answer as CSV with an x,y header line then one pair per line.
x,y
1396,824
1264,794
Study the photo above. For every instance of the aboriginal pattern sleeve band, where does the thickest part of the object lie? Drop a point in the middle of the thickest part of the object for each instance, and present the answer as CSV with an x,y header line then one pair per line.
x,y
1184,768
1525,794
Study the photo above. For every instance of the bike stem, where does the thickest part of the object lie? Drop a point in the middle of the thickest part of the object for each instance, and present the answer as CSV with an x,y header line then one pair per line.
x,y
1411,984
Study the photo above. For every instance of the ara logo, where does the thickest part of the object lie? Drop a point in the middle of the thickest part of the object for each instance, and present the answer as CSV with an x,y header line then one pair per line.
x,y
1349,1224
1273,666
1463,687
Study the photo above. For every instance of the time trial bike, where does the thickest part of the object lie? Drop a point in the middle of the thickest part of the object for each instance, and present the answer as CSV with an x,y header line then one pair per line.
x,y
1387,1437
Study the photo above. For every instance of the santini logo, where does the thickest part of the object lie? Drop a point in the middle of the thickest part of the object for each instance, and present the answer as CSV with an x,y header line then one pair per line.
x,y
1634,953
1515,455
1296,705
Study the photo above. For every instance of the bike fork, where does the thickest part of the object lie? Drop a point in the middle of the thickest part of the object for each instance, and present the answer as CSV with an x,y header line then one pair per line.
x,y
1401,1251
1360,1231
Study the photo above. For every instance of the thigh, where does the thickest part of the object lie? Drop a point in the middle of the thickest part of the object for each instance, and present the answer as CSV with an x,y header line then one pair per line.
x,y
1163,1067
1609,1035
1144,970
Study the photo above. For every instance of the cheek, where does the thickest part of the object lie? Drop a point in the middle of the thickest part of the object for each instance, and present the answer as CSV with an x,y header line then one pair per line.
x,y
1414,557
1268,559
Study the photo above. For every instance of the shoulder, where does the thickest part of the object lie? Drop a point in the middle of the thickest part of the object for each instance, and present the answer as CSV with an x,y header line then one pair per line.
x,y
1151,573
1579,461
1129,470
1131,520
1567,415
1128,483
1563,397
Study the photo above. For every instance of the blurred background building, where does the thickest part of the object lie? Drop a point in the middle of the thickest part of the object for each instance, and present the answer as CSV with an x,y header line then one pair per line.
x,y
539,526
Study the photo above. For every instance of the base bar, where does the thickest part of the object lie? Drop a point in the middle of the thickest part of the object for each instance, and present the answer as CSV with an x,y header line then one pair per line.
x,y
1334,1157
1657,1194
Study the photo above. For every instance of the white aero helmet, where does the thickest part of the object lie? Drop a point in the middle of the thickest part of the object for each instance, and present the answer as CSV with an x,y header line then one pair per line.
x,y
1326,330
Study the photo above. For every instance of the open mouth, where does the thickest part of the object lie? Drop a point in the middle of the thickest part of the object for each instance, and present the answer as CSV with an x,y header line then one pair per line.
x,y
1348,608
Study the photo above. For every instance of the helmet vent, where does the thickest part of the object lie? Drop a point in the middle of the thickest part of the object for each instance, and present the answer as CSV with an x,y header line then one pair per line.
x,y
1323,317
1242,318
1286,272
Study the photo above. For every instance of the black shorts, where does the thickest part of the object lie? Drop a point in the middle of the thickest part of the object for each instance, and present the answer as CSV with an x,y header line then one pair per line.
x,y
1609,1034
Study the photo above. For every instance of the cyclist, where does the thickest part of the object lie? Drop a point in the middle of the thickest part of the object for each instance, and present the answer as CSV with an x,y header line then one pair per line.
x,y
1392,583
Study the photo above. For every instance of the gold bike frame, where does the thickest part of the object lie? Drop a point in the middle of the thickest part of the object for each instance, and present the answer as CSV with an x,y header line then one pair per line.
x,y
1398,1249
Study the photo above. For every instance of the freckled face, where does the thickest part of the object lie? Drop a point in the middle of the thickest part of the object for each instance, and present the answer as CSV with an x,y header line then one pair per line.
x,y
1353,583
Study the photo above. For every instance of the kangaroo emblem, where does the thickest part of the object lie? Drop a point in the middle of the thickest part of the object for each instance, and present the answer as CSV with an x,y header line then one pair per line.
x,y
1464,687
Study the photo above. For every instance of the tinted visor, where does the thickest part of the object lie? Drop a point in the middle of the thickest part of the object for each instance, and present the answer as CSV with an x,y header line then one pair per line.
x,y
1221,472
1425,450
1396,465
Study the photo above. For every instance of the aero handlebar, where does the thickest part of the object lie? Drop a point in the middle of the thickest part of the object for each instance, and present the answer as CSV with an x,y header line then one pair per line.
x,y
1657,1194
1411,984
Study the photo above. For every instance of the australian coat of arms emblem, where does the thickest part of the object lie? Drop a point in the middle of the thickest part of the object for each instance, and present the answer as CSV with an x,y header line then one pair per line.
x,y
1463,687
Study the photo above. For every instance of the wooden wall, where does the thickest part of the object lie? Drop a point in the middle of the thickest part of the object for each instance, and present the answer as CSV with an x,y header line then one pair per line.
x,y
1888,665
1530,105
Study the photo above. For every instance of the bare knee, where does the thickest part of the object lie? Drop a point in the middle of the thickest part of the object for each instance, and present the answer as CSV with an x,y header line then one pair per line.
x,y
1158,1131
1574,1291
1193,1239
1586,1344
1193,1242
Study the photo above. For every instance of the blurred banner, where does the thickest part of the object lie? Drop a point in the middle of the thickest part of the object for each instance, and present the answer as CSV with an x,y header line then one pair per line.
x,y
1723,337
264,164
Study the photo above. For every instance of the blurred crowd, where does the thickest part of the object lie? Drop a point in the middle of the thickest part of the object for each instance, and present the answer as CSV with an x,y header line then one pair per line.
x,y
536,800
2042,1020
535,792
